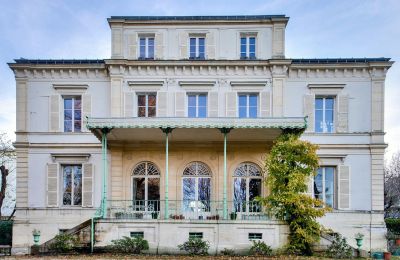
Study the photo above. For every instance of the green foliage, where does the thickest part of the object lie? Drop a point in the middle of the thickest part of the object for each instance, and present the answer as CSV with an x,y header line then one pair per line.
x,y
393,225
129,245
290,165
227,252
63,243
195,246
6,232
259,248
339,248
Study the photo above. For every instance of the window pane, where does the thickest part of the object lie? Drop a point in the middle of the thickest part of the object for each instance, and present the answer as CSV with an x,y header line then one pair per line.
x,y
67,126
141,100
202,100
150,52
191,111
77,125
329,120
77,115
67,103
204,193
201,42
151,112
329,103
242,112
151,41
138,189
153,188
77,103
319,124
242,100
152,100
252,40
318,103
318,185
253,100
141,111
77,185
254,188
253,112
189,193
67,185
142,41
239,194
329,186
191,100
67,114
142,51
202,112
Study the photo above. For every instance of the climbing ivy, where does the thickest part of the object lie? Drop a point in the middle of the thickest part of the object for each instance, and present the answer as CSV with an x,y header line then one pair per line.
x,y
290,165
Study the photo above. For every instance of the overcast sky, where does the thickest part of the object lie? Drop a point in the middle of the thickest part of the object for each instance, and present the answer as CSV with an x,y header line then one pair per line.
x,y
55,29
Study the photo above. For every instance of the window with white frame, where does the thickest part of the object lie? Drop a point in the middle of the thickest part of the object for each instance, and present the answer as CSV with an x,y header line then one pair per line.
x,y
147,104
72,113
324,114
197,105
72,185
146,187
248,105
247,47
246,187
324,185
197,48
146,47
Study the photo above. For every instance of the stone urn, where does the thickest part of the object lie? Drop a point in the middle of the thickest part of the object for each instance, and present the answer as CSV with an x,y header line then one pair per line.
x,y
36,236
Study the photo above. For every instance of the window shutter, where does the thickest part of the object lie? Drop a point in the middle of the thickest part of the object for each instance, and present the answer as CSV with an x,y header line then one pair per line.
x,y
342,116
309,107
344,187
86,110
132,49
87,185
54,113
128,104
231,98
213,104
162,104
310,186
159,48
183,41
265,104
180,104
52,185
210,43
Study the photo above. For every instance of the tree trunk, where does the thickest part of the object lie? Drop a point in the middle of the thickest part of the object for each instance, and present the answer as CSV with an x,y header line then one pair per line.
x,y
4,173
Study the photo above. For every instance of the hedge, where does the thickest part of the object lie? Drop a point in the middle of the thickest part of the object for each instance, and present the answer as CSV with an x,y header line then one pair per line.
x,y
6,232
393,225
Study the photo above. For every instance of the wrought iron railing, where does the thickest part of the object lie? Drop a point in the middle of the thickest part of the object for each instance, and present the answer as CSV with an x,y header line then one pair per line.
x,y
186,209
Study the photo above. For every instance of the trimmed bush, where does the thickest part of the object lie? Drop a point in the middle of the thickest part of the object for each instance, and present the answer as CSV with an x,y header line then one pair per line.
x,y
227,252
63,243
6,232
339,248
129,245
195,246
259,248
393,225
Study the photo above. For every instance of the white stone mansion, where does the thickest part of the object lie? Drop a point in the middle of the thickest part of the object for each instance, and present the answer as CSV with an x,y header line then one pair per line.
x,y
167,138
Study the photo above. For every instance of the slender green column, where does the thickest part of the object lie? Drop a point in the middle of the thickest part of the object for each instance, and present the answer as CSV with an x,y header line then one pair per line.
x,y
104,131
225,131
166,131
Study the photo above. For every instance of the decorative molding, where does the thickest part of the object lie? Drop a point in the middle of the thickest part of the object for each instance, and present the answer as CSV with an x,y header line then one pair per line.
x,y
249,83
146,83
81,87
57,157
197,85
325,85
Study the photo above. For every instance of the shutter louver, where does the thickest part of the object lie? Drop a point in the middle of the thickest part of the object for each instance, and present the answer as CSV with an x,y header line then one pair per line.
x,y
128,104
162,104
344,187
180,104
183,39
210,42
86,110
87,185
309,107
54,113
265,104
342,117
52,185
213,104
231,98
132,49
159,48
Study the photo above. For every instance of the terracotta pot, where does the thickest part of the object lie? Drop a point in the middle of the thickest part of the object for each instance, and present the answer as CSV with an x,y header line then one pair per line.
x,y
398,242
387,255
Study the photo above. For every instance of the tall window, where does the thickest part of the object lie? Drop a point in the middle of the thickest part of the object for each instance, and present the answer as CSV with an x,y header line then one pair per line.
x,y
196,186
197,48
146,48
248,105
72,185
197,105
246,187
146,187
248,47
324,185
72,114
324,113
146,105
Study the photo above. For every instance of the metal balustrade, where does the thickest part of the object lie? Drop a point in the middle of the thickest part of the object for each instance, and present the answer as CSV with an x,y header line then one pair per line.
x,y
186,210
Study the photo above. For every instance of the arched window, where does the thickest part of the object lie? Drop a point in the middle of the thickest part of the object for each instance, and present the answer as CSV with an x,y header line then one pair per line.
x,y
246,186
146,187
196,187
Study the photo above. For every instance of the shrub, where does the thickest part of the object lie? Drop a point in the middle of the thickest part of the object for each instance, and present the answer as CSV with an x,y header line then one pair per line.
x,y
129,245
63,243
5,232
260,248
393,225
339,248
227,252
195,246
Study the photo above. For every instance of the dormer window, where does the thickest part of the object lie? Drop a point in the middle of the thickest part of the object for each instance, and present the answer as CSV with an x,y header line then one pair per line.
x,y
247,46
146,47
197,47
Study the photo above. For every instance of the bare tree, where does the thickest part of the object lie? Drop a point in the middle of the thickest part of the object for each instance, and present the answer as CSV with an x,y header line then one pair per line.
x,y
392,186
7,166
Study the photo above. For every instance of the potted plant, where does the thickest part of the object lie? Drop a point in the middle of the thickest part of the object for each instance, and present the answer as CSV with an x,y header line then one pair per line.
x,y
36,236
359,239
233,215
387,255
154,215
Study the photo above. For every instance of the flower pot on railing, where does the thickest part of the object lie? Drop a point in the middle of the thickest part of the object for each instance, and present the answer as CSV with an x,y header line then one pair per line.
x,y
387,255
398,242
233,215
154,215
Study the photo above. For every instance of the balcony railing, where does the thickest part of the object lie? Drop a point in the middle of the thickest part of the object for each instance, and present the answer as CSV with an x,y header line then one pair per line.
x,y
186,209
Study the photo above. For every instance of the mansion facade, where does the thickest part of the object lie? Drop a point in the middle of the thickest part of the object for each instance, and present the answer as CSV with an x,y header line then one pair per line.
x,y
168,137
